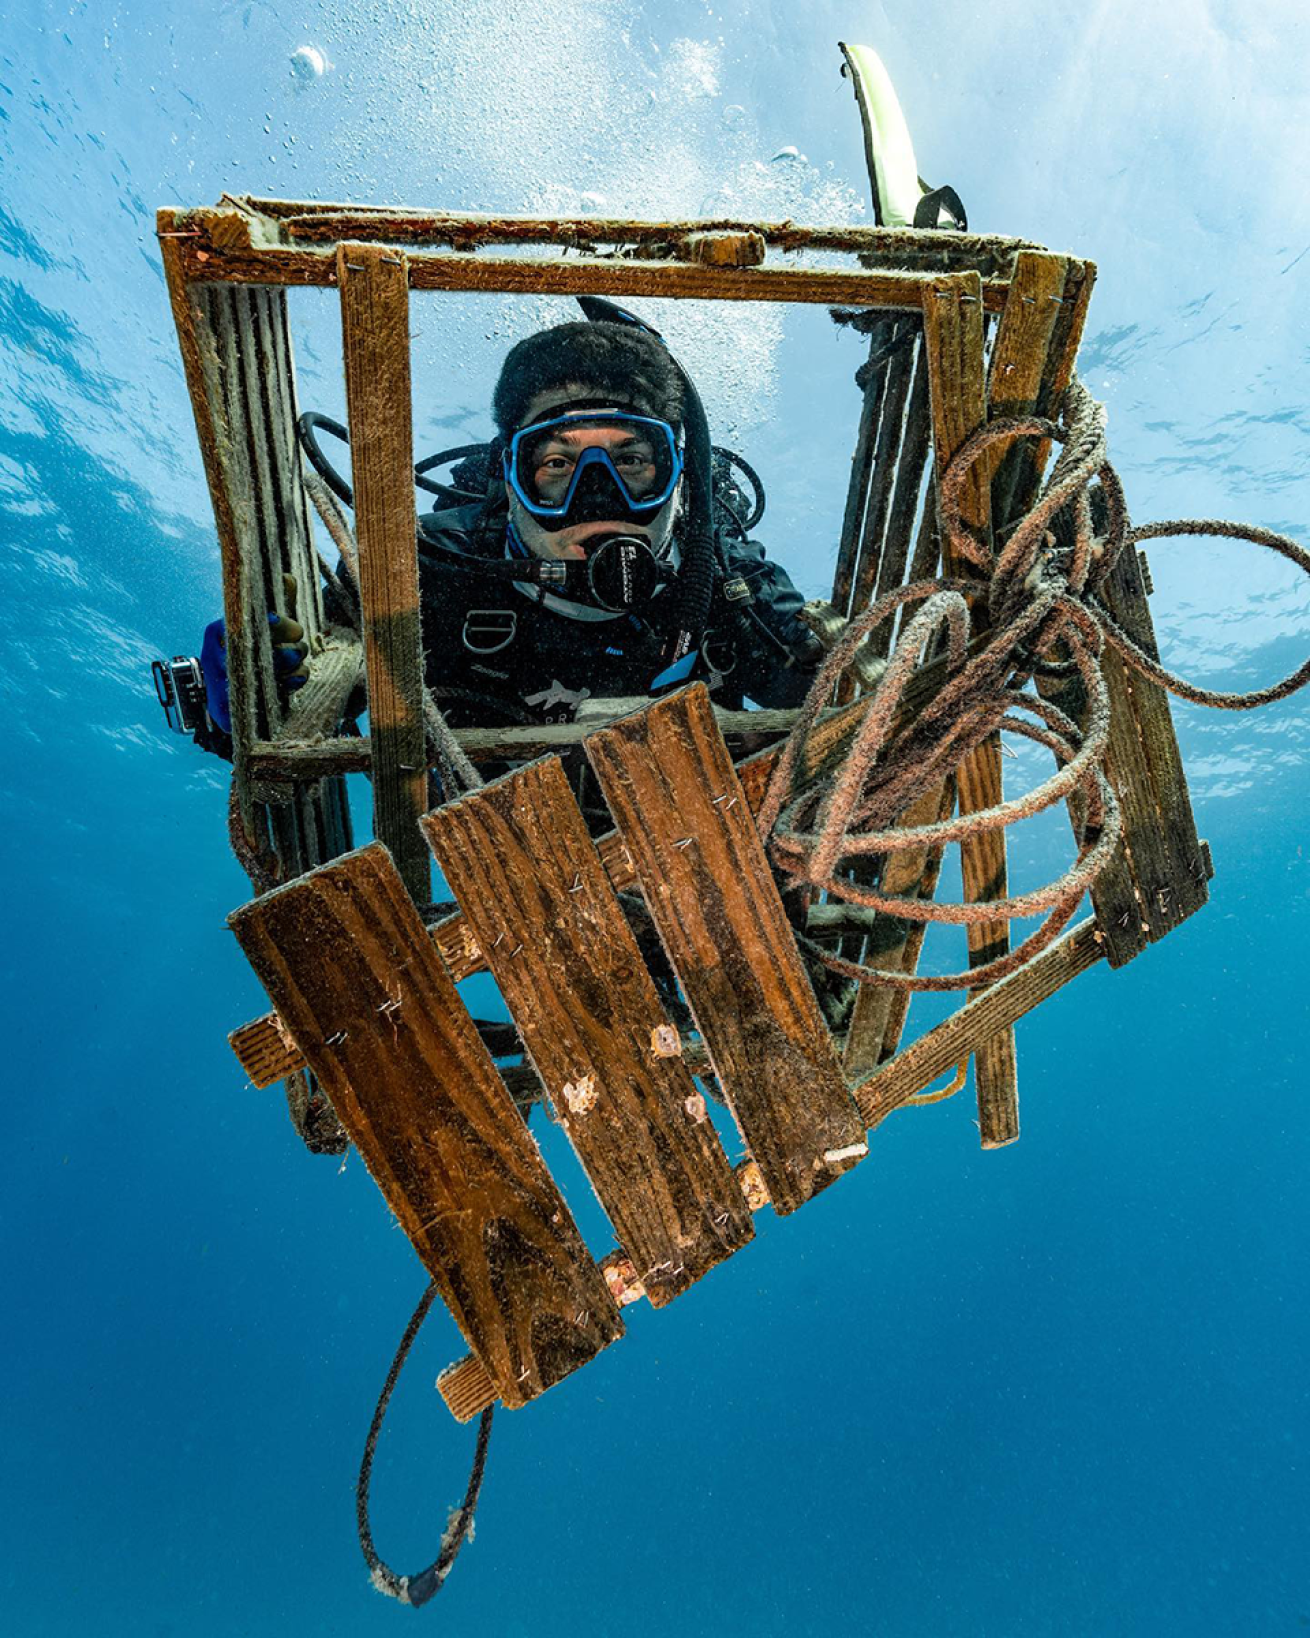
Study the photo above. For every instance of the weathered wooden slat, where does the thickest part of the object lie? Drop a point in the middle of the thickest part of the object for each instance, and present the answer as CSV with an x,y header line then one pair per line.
x,y
585,275
1181,887
350,968
253,696
467,1388
375,341
1031,365
905,499
465,1385
203,370
857,488
891,434
288,483
1021,358
953,341
909,873
517,856
672,789
963,1033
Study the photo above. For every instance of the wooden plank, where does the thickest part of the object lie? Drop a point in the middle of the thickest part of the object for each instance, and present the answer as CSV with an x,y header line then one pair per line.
x,y
1175,885
200,362
375,338
579,275
680,809
908,873
857,488
953,341
1031,366
905,499
300,556
249,652
891,434
1020,360
350,968
965,1031
517,856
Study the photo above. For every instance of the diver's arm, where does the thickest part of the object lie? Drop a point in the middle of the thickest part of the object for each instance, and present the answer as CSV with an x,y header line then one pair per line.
x,y
777,654
290,669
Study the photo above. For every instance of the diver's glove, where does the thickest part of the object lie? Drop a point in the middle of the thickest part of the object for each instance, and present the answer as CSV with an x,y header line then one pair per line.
x,y
289,666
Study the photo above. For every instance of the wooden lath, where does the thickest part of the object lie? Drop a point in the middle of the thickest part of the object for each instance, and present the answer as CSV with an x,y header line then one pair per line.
x,y
349,965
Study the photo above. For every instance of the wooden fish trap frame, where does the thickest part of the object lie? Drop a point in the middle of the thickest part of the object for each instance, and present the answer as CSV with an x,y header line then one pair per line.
x,y
961,329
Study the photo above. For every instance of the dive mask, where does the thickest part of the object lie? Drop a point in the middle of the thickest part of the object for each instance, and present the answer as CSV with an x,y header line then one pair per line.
x,y
563,474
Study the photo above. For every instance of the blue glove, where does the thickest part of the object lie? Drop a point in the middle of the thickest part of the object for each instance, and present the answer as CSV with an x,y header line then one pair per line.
x,y
289,651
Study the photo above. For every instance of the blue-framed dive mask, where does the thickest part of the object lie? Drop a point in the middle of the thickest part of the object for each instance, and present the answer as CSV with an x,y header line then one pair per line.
x,y
594,466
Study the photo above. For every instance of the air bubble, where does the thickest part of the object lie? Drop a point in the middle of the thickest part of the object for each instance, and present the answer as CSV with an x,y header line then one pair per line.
x,y
308,63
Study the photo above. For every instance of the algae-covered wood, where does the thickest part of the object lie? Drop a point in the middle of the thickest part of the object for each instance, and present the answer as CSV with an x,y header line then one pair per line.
x,y
670,784
375,338
354,976
517,856
953,341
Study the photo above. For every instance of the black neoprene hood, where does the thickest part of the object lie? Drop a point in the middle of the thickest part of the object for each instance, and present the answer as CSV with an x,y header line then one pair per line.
x,y
618,363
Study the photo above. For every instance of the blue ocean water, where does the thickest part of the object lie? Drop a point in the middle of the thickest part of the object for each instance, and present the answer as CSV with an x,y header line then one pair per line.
x,y
1058,1389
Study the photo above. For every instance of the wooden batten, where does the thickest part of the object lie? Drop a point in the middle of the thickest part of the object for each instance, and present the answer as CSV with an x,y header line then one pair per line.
x,y
353,974
953,340
681,811
879,1012
1145,767
517,856
994,1011
375,339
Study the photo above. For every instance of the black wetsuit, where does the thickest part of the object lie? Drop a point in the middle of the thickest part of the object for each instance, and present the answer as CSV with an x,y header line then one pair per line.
x,y
496,652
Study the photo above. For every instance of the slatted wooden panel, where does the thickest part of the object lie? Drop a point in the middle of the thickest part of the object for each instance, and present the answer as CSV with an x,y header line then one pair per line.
x,y
456,940
517,856
375,340
953,339
350,968
670,784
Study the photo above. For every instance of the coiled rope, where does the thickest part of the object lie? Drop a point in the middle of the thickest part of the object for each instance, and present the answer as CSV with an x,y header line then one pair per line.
x,y
1043,611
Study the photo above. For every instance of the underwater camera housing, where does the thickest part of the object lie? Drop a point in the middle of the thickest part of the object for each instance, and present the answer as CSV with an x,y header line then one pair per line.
x,y
180,689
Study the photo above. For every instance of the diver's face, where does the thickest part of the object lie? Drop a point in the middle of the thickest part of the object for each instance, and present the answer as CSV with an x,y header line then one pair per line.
x,y
556,456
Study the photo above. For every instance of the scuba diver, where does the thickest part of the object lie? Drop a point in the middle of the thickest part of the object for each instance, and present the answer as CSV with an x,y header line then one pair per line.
x,y
598,547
